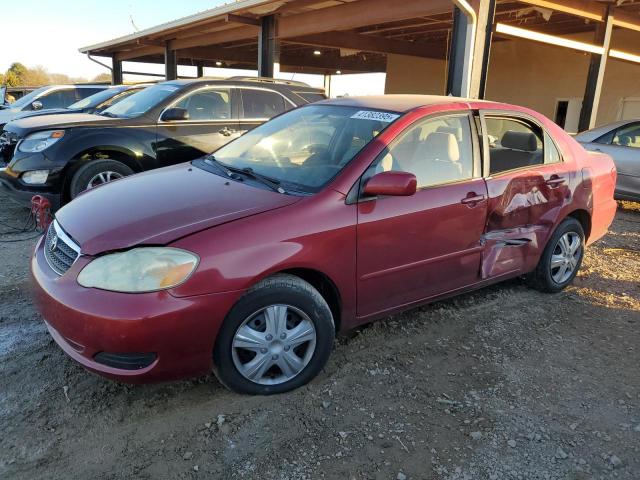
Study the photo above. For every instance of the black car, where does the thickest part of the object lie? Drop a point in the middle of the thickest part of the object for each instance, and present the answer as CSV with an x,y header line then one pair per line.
x,y
60,156
95,103
45,98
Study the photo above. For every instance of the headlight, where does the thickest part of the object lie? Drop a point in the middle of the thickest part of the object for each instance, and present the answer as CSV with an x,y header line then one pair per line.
x,y
39,141
35,177
144,269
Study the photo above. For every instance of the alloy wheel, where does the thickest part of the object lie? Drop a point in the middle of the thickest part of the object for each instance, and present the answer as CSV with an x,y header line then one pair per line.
x,y
102,178
274,344
565,257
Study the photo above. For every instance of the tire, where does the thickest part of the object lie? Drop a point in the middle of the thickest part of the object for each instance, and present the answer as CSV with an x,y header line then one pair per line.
x,y
278,297
546,277
110,169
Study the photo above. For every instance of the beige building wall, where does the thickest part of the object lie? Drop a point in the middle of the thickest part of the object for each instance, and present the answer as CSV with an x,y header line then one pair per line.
x,y
531,74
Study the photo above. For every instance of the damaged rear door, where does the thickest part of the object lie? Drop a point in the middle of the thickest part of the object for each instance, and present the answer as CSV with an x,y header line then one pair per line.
x,y
527,184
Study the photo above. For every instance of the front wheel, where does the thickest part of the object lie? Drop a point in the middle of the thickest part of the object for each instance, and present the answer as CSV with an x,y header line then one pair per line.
x,y
276,338
561,259
96,173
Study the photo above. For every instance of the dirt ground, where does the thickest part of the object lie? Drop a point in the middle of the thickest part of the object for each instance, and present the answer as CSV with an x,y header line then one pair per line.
x,y
503,383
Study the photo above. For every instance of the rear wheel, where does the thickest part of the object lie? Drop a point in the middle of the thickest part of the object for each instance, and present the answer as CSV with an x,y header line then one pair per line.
x,y
97,173
275,339
561,259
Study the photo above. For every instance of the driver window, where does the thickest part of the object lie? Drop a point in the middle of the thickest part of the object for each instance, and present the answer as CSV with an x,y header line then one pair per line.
x,y
436,151
207,105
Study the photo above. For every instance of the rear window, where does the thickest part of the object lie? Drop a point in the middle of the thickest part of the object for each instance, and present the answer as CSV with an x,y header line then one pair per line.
x,y
311,97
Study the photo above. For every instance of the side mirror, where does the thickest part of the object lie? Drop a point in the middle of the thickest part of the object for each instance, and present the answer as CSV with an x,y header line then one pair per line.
x,y
397,184
36,105
175,114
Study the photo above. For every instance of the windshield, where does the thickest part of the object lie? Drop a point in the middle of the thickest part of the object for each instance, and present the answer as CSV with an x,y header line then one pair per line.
x,y
307,147
141,102
28,98
95,99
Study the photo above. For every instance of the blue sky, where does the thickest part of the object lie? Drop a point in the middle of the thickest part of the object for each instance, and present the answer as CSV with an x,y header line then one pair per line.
x,y
49,33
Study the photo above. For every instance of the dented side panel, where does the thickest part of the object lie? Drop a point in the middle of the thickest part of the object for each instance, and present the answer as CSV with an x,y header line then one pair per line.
x,y
523,211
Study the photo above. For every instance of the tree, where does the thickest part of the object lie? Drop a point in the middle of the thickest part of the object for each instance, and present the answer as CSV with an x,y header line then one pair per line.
x,y
35,77
102,78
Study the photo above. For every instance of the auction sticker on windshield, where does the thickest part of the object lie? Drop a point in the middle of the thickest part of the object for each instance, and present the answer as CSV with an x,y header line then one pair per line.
x,y
378,116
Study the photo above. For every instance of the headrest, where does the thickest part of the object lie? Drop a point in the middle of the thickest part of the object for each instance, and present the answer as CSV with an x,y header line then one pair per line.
x,y
519,141
454,130
442,146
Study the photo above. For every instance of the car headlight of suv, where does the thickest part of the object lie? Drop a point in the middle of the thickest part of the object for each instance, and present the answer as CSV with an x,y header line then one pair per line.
x,y
143,269
39,141
35,177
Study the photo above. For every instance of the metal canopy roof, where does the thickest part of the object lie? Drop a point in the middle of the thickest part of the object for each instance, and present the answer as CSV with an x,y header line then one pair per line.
x,y
352,35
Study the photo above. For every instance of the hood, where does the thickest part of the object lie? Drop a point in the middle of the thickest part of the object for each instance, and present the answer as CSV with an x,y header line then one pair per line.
x,y
50,111
160,206
9,114
26,125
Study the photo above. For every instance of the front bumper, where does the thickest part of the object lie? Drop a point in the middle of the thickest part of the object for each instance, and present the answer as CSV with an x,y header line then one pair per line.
x,y
84,322
22,194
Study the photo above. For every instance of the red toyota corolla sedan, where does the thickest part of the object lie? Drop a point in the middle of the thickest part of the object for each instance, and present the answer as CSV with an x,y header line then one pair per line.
x,y
329,216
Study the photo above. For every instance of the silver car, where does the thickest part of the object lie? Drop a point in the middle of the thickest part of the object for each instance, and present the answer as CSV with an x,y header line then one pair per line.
x,y
621,140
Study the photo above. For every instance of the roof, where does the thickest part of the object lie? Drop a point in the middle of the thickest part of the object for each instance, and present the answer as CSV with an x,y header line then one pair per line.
x,y
180,22
351,36
395,103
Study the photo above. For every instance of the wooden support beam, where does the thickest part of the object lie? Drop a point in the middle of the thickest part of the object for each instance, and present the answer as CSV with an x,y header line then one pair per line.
x,y
116,72
357,14
231,18
580,8
370,43
213,38
267,46
595,77
626,20
170,64
216,53
138,53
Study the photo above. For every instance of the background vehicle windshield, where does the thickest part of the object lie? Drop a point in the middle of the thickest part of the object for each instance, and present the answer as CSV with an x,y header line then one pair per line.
x,y
28,98
141,102
307,147
95,99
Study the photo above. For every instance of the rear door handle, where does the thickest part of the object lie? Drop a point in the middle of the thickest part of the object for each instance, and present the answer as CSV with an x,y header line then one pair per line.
x,y
555,181
472,199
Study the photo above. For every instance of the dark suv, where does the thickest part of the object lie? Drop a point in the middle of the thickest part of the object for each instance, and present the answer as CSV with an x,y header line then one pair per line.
x,y
60,156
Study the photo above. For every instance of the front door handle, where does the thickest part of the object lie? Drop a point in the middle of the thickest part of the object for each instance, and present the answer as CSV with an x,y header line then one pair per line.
x,y
555,181
472,199
226,131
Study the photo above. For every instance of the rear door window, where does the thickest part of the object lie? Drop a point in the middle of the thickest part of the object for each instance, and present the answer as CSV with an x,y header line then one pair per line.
x,y
262,104
513,143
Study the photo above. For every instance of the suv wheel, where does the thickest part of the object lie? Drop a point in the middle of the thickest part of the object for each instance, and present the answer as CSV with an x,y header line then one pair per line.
x,y
561,259
276,338
97,173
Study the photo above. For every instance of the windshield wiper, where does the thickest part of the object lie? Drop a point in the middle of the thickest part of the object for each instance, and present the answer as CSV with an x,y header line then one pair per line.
x,y
210,159
231,172
269,182
108,114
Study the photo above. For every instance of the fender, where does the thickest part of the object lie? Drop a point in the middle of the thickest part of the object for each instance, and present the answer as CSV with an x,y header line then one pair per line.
x,y
135,144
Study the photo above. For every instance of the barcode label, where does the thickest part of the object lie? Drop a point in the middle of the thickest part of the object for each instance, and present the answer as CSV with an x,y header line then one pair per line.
x,y
373,115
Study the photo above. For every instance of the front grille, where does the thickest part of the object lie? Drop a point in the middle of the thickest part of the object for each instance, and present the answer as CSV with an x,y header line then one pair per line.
x,y
8,142
59,250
